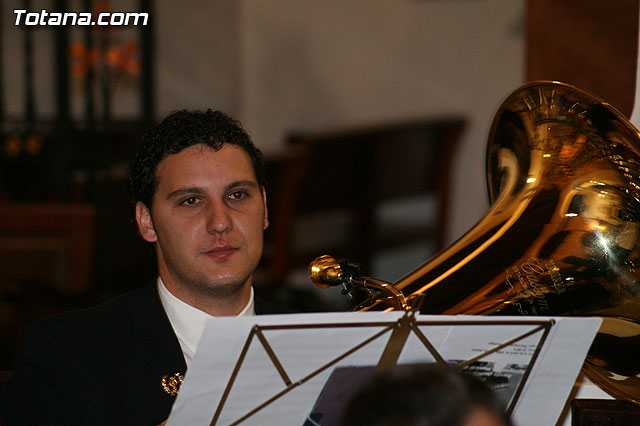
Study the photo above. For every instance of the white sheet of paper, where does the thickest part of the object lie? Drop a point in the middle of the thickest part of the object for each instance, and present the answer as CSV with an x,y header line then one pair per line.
x,y
303,351
635,112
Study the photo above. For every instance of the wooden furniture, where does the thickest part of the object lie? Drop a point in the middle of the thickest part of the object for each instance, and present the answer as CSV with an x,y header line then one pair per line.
x,y
48,244
351,173
603,412
591,44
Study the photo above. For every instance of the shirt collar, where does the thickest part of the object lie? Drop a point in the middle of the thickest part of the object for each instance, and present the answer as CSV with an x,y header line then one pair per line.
x,y
187,321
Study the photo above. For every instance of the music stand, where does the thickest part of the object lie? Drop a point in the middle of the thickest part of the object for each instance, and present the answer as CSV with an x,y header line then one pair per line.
x,y
250,382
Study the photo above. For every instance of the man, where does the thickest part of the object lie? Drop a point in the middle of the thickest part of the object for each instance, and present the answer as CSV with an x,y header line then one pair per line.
x,y
196,182
424,395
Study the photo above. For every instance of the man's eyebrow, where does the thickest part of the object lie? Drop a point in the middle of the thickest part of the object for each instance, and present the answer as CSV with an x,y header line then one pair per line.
x,y
240,183
196,190
186,191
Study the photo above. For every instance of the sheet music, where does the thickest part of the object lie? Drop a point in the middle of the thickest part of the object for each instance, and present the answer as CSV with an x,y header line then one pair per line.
x,y
304,350
300,351
553,375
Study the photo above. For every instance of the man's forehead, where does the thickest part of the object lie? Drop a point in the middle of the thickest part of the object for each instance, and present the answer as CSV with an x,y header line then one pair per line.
x,y
228,160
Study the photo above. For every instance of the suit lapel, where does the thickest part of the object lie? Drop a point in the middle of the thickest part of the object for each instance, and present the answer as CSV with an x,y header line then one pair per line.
x,y
157,353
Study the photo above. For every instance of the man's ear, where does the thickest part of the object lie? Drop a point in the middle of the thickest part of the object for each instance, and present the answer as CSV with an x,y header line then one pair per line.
x,y
266,213
145,223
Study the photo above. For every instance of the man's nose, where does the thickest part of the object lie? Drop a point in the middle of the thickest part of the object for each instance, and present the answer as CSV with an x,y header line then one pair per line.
x,y
218,220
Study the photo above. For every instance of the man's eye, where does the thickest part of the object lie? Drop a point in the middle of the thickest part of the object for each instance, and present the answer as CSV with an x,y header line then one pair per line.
x,y
191,201
237,195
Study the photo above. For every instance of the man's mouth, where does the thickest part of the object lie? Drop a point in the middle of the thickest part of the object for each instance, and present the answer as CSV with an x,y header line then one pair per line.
x,y
221,253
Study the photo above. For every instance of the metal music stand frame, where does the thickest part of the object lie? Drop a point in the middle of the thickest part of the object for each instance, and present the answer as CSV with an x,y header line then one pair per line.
x,y
399,332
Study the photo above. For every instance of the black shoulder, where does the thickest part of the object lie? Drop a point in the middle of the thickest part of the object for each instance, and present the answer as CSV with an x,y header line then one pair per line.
x,y
124,304
264,307
92,328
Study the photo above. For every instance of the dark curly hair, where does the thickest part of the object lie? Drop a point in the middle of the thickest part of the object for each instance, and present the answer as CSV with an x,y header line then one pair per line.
x,y
421,395
180,130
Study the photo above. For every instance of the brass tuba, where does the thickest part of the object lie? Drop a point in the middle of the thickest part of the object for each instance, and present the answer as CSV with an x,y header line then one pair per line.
x,y
562,236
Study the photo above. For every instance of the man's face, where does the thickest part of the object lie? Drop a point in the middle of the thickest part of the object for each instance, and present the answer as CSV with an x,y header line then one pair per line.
x,y
208,218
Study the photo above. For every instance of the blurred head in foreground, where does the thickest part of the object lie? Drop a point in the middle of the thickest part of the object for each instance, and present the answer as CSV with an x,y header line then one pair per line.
x,y
424,395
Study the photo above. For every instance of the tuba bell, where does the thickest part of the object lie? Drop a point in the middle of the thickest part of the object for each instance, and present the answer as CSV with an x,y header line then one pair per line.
x,y
562,236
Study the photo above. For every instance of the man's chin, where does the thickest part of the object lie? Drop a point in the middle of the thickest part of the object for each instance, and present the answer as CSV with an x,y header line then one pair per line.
x,y
223,286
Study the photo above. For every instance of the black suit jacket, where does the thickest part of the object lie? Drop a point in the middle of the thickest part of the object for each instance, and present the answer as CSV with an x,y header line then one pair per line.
x,y
99,366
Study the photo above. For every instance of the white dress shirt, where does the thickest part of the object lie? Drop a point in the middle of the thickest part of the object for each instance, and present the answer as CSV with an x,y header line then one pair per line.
x,y
187,321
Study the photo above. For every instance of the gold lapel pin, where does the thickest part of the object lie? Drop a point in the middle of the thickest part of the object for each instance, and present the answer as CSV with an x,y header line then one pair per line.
x,y
171,384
